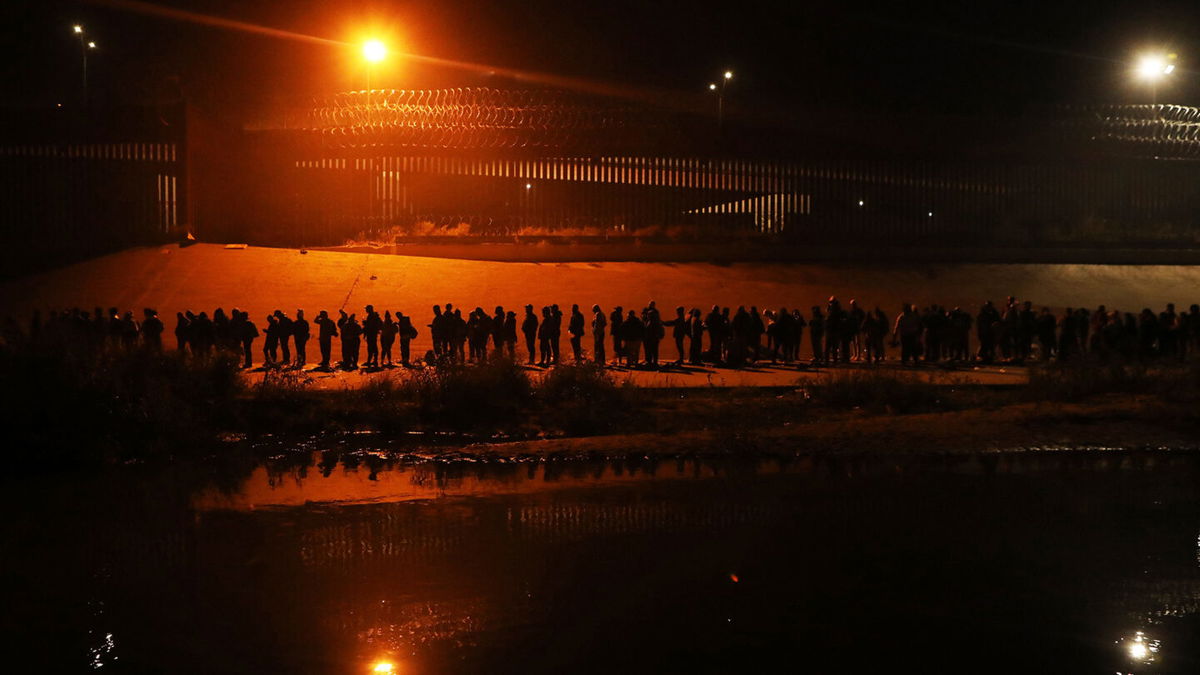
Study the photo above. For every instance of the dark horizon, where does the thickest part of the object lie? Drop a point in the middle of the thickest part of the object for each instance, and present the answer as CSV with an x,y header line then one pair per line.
x,y
992,59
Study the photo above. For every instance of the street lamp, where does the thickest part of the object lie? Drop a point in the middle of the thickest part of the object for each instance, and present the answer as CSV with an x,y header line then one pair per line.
x,y
373,52
720,91
1152,68
85,46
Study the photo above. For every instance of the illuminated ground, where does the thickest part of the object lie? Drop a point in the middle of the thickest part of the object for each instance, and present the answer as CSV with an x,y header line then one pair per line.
x,y
259,280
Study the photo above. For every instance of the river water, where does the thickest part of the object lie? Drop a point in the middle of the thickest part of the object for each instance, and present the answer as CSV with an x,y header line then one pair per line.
x,y
312,562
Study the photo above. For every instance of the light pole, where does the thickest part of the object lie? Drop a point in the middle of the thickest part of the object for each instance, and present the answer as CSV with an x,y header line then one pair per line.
x,y
719,89
85,46
1152,68
374,51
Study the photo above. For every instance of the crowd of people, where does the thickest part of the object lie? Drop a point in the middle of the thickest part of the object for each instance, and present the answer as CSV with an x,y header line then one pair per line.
x,y
1014,332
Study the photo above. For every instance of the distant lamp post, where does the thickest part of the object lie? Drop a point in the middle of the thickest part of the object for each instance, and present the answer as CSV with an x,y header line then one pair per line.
x,y
373,51
719,90
85,46
1153,69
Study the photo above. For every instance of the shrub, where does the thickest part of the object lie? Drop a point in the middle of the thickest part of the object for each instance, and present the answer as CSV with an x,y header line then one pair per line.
x,y
584,399
495,394
876,391
1077,380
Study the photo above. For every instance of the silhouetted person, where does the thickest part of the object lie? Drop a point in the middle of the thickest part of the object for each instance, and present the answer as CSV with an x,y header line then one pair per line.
x,y
343,319
816,334
300,334
152,329
285,337
387,338
633,332
351,342
221,329
458,334
406,332
933,324
960,341
1046,327
498,330
837,336
371,325
326,331
437,332
987,323
202,333
529,328
271,342
618,336
478,333
679,331
544,355
695,337
875,330
755,335
509,335
740,331
1068,339
1168,331
599,324
556,317
182,331
1026,330
714,323
653,332
908,331
1191,332
855,317
575,329
247,332
129,331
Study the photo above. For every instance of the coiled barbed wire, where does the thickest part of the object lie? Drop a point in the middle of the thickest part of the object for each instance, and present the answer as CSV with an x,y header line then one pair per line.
x,y
477,118
1148,130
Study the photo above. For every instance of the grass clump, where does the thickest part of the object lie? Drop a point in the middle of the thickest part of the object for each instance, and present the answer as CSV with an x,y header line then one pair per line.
x,y
876,391
1080,380
493,395
584,399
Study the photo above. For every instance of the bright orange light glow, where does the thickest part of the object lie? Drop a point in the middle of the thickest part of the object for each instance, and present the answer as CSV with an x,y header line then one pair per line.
x,y
729,74
383,667
77,28
712,87
374,51
733,578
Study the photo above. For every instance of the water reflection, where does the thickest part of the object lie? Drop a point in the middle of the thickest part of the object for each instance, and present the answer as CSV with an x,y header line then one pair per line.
x,y
357,561
1141,649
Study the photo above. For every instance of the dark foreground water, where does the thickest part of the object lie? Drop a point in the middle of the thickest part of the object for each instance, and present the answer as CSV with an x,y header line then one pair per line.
x,y
1046,562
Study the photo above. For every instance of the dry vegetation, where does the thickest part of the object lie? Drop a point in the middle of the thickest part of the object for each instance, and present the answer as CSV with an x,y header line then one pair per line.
x,y
120,404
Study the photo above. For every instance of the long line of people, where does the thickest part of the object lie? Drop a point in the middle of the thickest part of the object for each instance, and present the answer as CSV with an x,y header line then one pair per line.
x,y
1015,332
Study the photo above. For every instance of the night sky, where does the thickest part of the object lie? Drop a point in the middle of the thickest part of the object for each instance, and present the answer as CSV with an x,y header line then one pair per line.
x,y
986,57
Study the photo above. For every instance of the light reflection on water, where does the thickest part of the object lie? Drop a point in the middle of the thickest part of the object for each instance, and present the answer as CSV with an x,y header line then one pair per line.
x,y
350,564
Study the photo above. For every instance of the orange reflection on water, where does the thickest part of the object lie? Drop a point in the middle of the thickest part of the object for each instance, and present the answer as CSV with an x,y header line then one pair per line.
x,y
346,486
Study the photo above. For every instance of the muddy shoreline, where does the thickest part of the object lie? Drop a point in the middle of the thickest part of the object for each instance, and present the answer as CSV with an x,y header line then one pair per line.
x,y
1111,423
